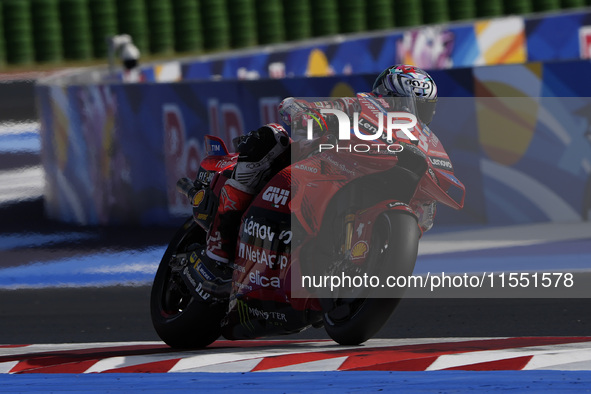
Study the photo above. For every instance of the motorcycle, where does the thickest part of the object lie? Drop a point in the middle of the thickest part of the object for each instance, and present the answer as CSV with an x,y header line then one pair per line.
x,y
329,213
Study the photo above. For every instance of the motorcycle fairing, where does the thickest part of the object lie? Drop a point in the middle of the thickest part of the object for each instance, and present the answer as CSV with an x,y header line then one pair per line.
x,y
330,173
264,263
429,144
262,268
215,146
264,242
437,187
212,175
219,163
257,318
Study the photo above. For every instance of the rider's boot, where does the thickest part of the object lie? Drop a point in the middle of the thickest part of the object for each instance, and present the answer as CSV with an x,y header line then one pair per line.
x,y
213,268
223,234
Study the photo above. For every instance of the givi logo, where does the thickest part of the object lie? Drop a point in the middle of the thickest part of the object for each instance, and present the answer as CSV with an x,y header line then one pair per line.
x,y
276,196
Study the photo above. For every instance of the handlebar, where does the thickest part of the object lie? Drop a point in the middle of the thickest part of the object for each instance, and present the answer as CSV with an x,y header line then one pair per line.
x,y
186,187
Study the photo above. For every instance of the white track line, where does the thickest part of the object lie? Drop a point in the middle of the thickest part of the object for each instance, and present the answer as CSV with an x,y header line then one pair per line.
x,y
330,364
558,360
462,359
22,184
501,237
7,366
234,366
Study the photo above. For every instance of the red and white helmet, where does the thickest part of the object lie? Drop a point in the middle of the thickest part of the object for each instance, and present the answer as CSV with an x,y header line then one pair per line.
x,y
402,80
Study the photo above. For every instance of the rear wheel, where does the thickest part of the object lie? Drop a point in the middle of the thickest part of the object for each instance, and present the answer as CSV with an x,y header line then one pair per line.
x,y
353,318
181,320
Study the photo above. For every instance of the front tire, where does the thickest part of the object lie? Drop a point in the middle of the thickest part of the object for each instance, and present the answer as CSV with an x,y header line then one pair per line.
x,y
181,320
393,251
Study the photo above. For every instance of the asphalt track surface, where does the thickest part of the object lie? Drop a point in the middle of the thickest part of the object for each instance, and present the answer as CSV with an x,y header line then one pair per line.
x,y
121,314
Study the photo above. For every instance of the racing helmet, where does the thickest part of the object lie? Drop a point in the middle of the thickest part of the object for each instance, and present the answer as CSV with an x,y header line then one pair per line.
x,y
403,80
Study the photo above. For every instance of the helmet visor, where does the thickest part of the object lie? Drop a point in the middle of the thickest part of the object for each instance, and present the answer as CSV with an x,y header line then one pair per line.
x,y
426,110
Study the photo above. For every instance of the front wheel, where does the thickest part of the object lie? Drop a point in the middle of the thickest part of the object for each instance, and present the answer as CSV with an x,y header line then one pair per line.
x,y
181,320
393,251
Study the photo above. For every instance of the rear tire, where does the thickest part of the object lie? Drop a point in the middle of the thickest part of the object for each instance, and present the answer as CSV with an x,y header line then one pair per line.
x,y
394,247
181,320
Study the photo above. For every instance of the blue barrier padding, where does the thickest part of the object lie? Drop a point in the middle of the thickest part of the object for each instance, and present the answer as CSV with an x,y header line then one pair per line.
x,y
293,382
25,142
104,269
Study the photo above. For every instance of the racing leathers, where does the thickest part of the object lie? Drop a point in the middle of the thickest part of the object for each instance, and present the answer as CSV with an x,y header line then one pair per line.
x,y
261,153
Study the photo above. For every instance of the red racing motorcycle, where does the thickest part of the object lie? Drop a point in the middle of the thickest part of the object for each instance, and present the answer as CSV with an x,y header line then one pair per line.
x,y
341,211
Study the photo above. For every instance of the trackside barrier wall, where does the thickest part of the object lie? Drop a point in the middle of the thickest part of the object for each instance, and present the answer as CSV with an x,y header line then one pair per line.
x,y
113,152
508,40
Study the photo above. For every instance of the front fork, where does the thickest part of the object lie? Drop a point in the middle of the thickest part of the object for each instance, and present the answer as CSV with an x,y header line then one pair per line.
x,y
349,225
204,282
203,279
204,194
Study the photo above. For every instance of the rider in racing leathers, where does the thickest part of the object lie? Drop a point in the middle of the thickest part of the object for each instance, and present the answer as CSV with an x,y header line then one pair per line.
x,y
264,152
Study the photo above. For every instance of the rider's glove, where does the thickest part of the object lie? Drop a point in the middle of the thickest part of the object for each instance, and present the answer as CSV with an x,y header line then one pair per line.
x,y
289,110
298,113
